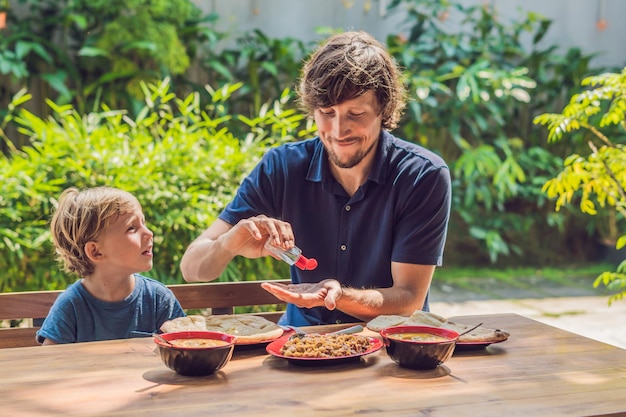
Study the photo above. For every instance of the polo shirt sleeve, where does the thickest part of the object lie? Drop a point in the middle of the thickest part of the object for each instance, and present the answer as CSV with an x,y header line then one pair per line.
x,y
423,220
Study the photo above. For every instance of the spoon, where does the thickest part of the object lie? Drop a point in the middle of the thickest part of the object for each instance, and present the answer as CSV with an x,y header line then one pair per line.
x,y
161,339
349,330
293,328
470,329
300,333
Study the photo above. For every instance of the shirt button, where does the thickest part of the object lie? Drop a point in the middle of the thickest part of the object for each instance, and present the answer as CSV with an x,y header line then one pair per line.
x,y
344,247
347,208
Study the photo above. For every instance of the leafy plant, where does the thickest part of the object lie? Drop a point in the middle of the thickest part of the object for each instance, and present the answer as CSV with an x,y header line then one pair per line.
x,y
596,182
19,47
93,51
265,66
472,86
475,89
179,159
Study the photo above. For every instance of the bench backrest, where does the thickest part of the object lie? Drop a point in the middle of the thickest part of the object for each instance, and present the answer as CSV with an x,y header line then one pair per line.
x,y
220,297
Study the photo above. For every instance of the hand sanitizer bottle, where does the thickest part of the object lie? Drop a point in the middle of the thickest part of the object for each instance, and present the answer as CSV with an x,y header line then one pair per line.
x,y
292,256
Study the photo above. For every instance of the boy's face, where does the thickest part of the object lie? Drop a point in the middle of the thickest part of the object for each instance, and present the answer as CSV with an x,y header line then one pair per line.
x,y
350,130
125,244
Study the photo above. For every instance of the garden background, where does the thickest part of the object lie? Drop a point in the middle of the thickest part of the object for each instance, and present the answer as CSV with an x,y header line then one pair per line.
x,y
176,101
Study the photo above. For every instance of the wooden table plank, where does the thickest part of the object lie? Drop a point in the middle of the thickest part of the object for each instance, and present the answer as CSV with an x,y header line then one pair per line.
x,y
539,371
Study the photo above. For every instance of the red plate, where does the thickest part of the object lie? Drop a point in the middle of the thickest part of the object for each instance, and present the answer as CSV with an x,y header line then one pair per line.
x,y
274,349
464,346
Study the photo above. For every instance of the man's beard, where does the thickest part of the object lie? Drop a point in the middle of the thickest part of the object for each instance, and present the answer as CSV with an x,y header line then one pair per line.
x,y
352,162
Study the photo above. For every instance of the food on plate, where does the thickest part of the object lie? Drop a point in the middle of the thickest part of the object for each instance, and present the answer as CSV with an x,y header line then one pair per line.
x,y
478,335
325,346
418,337
424,318
418,318
182,324
248,329
198,343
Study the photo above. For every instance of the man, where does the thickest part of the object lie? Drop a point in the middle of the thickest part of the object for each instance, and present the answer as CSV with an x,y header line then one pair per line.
x,y
371,208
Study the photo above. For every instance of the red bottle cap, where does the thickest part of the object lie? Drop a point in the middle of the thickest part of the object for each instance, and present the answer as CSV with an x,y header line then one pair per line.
x,y
306,264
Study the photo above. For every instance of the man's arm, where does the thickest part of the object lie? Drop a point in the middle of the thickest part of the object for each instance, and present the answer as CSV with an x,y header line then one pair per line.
x,y
408,293
206,257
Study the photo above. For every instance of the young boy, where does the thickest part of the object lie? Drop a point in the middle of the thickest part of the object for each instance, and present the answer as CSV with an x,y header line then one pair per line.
x,y
101,235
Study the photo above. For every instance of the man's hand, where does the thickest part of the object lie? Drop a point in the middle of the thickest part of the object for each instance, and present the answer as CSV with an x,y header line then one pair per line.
x,y
247,238
207,256
324,293
411,282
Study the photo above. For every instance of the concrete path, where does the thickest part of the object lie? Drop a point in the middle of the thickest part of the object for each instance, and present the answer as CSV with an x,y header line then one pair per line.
x,y
578,308
587,316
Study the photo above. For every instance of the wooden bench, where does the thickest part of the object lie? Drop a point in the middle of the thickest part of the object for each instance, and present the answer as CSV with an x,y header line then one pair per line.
x,y
220,297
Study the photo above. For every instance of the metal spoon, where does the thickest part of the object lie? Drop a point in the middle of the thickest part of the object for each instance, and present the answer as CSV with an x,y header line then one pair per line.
x,y
161,339
470,329
354,329
299,333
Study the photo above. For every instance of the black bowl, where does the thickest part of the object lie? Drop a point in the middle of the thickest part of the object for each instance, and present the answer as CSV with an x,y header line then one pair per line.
x,y
196,361
418,354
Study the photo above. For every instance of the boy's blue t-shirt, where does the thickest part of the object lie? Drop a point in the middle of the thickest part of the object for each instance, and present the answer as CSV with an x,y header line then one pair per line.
x,y
77,316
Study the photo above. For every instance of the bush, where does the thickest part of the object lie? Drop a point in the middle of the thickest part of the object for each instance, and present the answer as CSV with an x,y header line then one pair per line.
x,y
182,162
88,52
474,85
596,182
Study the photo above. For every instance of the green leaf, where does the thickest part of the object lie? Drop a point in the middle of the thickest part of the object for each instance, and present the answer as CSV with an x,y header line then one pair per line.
x,y
90,51
141,45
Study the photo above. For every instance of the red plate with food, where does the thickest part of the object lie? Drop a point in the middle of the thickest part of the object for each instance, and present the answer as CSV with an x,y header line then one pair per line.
x,y
334,349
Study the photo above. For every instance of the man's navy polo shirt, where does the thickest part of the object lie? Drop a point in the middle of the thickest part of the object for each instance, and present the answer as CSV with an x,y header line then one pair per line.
x,y
399,214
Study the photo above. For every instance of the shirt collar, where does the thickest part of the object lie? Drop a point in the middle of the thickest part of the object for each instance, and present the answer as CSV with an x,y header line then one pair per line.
x,y
318,167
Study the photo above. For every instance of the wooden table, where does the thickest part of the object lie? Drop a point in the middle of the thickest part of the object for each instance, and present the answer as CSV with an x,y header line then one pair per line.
x,y
539,371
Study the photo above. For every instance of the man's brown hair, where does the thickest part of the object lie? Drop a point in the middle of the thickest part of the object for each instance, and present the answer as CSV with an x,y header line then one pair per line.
x,y
346,66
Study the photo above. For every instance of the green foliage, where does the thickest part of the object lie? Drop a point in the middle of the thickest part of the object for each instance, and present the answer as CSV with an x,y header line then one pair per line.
x,y
596,181
474,84
88,51
471,91
615,282
264,65
19,46
180,160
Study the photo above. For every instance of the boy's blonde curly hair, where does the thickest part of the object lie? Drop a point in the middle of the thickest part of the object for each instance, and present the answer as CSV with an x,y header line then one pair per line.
x,y
80,217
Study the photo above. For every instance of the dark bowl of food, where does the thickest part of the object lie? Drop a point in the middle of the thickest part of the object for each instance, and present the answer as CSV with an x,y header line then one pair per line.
x,y
195,353
419,347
